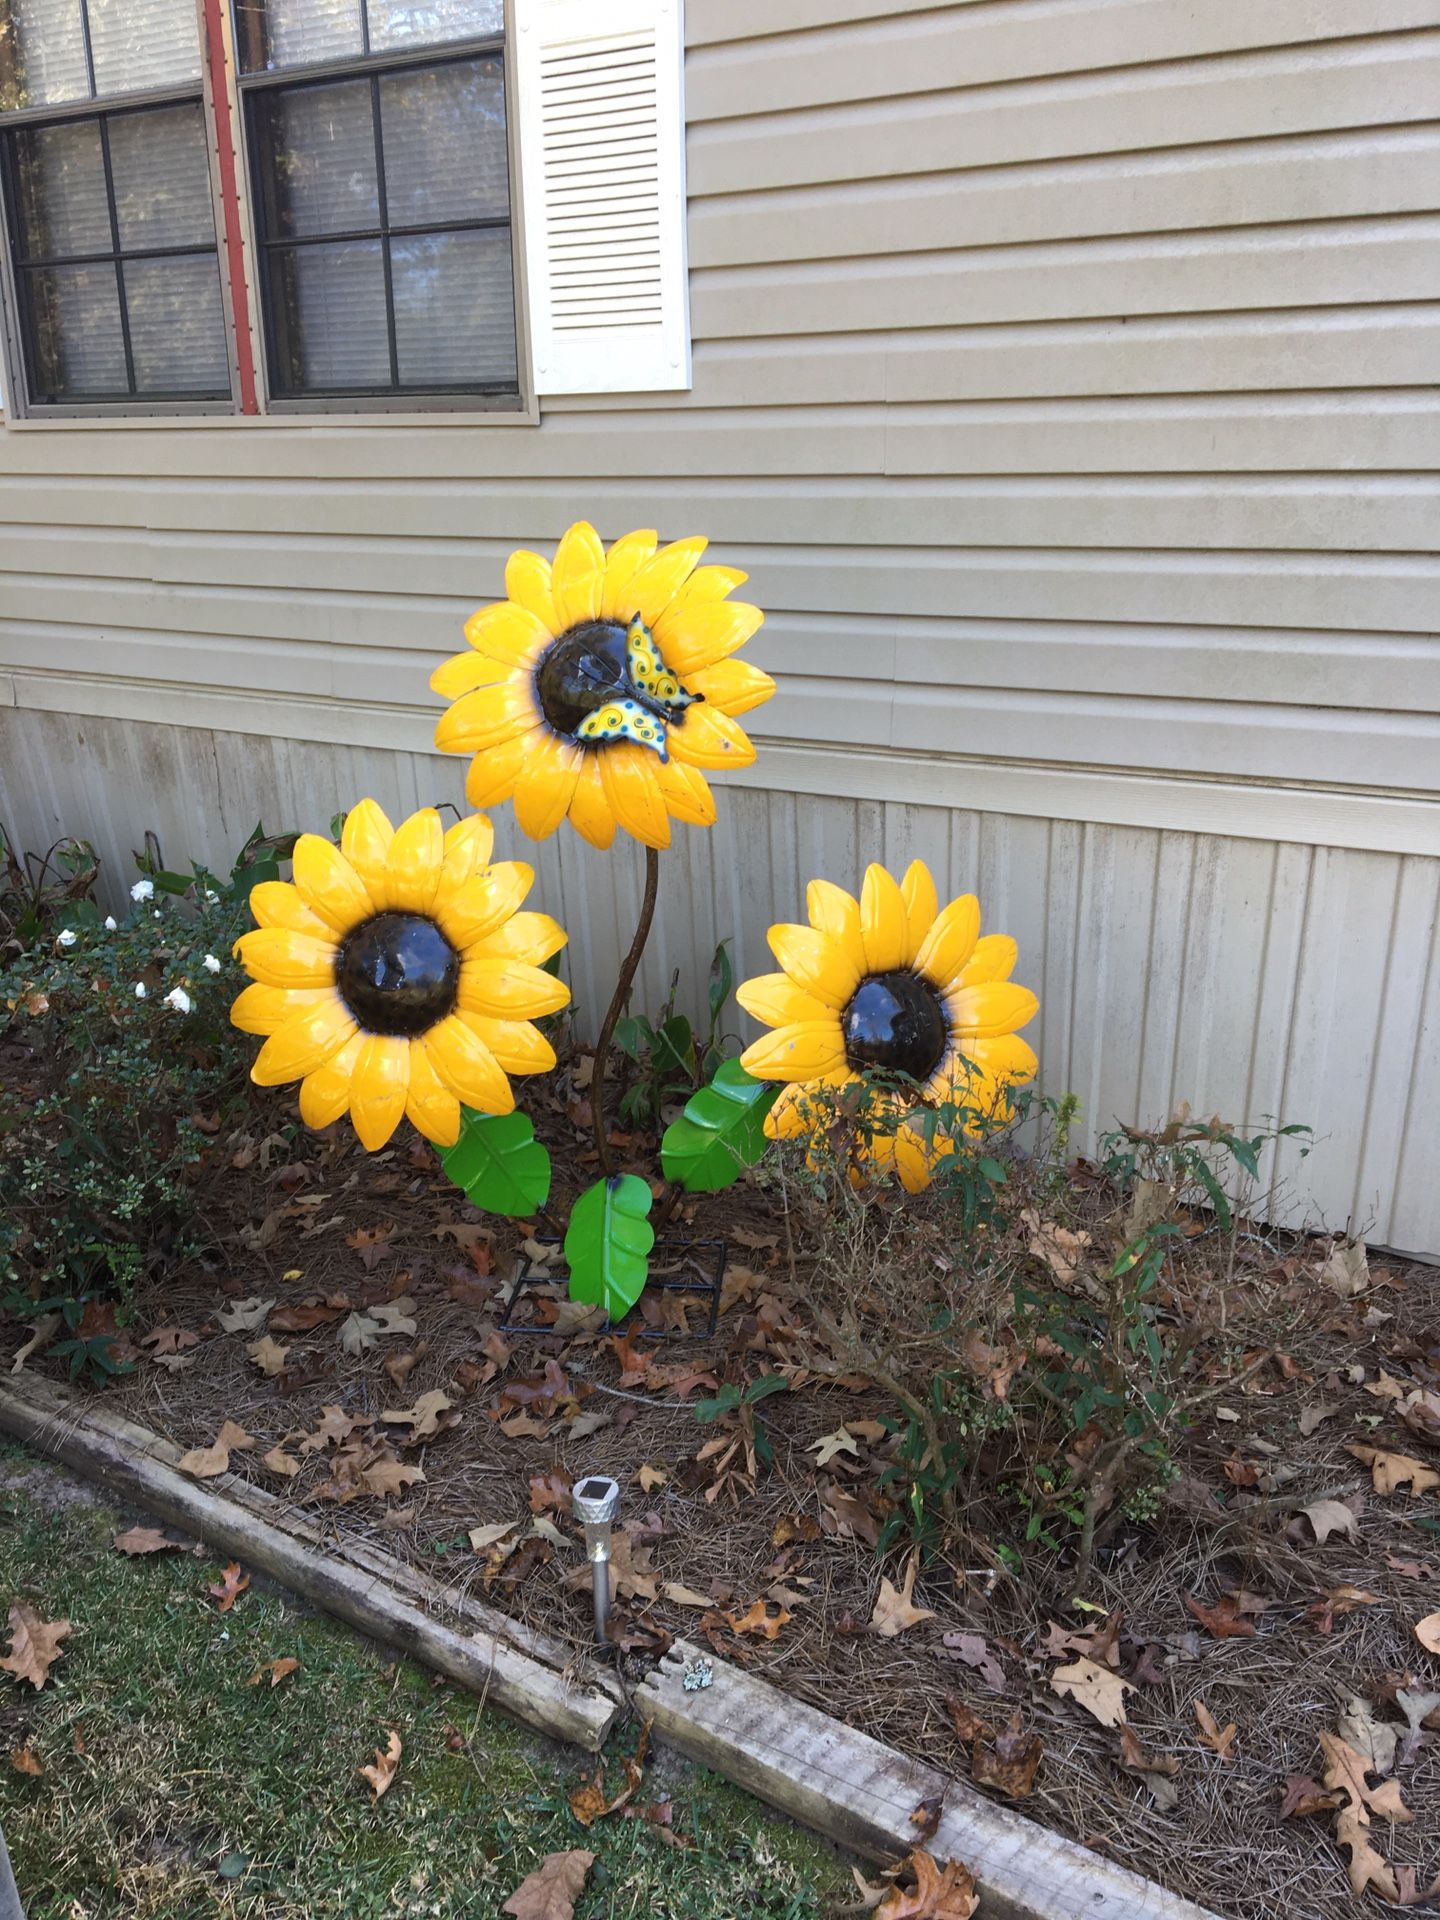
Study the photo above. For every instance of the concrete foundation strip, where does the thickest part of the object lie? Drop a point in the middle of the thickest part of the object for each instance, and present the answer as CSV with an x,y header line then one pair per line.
x,y
843,1784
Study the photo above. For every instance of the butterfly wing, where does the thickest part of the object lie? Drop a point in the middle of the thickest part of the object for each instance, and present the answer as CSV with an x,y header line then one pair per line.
x,y
624,720
649,672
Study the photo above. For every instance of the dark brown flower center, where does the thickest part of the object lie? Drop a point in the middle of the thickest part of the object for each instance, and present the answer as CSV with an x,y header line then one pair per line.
x,y
398,973
584,670
895,1022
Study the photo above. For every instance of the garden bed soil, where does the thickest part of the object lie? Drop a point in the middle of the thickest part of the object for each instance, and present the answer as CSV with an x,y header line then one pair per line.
x,y
325,1232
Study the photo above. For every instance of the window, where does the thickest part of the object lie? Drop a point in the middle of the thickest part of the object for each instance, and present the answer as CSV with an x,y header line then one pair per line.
x,y
277,205
115,270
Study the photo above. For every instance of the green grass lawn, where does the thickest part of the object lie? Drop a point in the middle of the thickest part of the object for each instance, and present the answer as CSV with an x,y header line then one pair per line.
x,y
172,1788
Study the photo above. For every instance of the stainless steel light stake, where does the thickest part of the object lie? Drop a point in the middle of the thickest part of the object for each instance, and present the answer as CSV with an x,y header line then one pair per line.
x,y
595,1501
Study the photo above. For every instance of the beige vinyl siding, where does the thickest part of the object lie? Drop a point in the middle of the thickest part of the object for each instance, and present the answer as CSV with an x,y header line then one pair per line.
x,y
1065,377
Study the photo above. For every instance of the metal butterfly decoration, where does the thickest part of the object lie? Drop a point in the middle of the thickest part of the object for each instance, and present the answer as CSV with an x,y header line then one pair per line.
x,y
648,698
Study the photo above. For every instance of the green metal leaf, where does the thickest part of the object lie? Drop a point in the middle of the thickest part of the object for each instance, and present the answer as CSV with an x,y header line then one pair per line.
x,y
720,1133
498,1163
608,1242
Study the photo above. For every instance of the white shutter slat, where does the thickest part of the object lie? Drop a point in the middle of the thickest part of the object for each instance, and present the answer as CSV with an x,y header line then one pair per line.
x,y
602,160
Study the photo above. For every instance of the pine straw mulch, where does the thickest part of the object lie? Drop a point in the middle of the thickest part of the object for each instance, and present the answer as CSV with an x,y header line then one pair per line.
x,y
304,1221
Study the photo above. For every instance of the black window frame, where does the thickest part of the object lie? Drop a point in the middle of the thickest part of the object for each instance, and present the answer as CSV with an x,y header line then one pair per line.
x,y
374,65
23,397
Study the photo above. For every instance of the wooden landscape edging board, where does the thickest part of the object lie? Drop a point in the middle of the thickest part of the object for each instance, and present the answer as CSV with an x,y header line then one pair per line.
x,y
508,1664
863,1794
843,1784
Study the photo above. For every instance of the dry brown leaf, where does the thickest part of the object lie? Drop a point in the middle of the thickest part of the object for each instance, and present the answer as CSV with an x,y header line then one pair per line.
x,y
144,1540
1220,1740
26,1760
203,1463
281,1462
1427,1632
681,1596
1095,1688
1391,1471
758,1620
245,1316
1376,1740
1330,1516
483,1538
1346,1770
229,1587
1007,1762
1227,1619
34,1645
268,1355
939,1892
1367,1867
551,1891
393,1316
1346,1271
1157,1772
895,1610
1062,1251
381,1775
431,1414
278,1670
829,1444
651,1478
1302,1796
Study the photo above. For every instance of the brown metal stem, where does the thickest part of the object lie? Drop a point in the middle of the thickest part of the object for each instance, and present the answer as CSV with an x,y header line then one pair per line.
x,y
617,1006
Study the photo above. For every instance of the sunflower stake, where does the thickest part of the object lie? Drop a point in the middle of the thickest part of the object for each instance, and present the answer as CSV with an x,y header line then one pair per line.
x,y
623,984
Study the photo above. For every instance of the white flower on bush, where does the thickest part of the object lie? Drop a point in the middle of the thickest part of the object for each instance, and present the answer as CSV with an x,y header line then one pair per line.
x,y
212,965
180,1000
211,895
65,938
143,890
111,923
139,989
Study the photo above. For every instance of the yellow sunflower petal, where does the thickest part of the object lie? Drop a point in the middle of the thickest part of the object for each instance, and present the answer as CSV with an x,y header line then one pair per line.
x,y
329,885
545,786
705,586
517,1046
510,635
972,1072
488,717
365,842
469,844
627,773
693,638
804,1105
510,990
464,672
686,793
882,922
818,962
492,774
275,903
261,1009
325,1093
530,937
306,1041
994,958
910,1149
732,686
417,854
578,577
622,563
652,587
590,813
804,1050
994,1007
922,903
378,1087
468,1067
705,738
284,959
950,941
430,1105
486,900
527,583
775,999
831,910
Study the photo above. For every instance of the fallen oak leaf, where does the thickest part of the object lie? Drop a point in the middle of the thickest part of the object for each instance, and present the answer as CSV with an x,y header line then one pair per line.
x,y
1411,1569
1155,1770
228,1588
895,1610
1391,1471
381,1775
829,1444
1095,1688
758,1620
26,1760
483,1538
682,1596
137,1540
1367,1868
1220,1740
551,1891
245,1316
431,1414
281,1462
1226,1619
34,1645
940,1892
974,1650
268,1355
1346,1770
1427,1632
393,1316
278,1670
204,1463
1330,1516
1008,1761
1302,1796
358,1333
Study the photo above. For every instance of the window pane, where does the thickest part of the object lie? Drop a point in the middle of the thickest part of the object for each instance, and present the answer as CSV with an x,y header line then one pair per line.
x,y
42,53
177,325
445,155
329,316
79,347
60,185
143,43
318,157
161,169
297,33
454,309
430,23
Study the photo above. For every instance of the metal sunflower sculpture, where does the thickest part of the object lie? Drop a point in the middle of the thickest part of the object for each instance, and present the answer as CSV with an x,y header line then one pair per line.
x,y
396,976
897,989
602,690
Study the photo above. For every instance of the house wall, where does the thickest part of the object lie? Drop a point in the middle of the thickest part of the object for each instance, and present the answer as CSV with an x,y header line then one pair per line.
x,y
1064,377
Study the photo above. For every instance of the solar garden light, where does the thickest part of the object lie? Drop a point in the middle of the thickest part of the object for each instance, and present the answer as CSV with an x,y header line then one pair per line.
x,y
595,1502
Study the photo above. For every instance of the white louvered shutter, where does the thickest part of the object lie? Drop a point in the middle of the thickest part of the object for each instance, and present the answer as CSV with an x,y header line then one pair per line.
x,y
602,155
